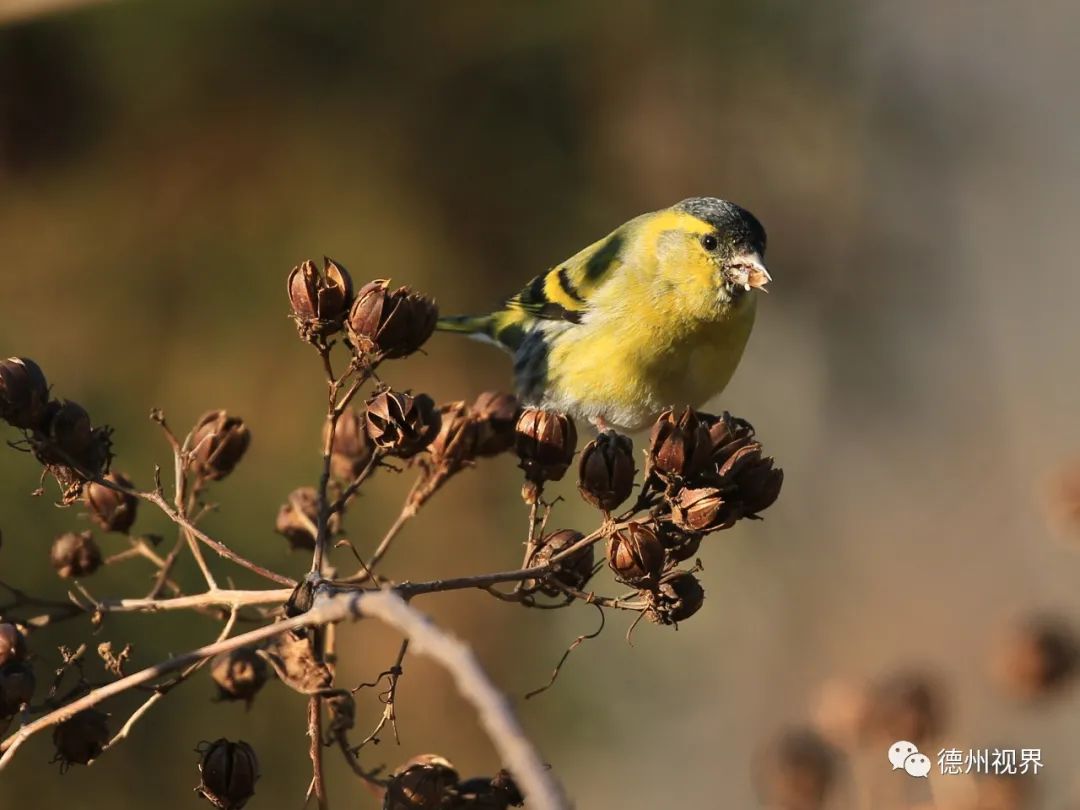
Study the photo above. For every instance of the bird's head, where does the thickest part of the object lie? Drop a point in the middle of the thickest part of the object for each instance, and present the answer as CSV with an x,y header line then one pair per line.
x,y
711,251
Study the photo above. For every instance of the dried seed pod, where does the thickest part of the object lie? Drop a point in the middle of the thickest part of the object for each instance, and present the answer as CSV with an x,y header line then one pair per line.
x,y
352,448
402,424
111,510
702,509
679,445
488,793
680,545
455,444
75,555
907,706
390,324
496,414
24,393
798,771
725,429
228,773
574,571
81,738
218,442
1039,659
70,429
678,597
636,555
545,442
12,644
319,301
606,471
239,674
71,448
424,782
298,518
756,481
16,687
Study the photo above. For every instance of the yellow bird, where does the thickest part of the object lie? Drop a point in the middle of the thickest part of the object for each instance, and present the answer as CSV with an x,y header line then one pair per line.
x,y
654,315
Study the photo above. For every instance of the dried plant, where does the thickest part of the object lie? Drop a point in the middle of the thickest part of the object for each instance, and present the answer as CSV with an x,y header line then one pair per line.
x,y
702,474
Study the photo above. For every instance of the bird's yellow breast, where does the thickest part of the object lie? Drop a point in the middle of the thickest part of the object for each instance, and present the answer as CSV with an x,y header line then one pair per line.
x,y
629,366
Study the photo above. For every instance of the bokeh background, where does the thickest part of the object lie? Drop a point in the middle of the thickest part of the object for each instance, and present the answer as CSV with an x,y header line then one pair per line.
x,y
914,369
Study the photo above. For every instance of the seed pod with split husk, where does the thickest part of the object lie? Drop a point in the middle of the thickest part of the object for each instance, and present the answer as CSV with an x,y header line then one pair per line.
x,y
750,480
424,782
679,445
636,555
387,324
81,738
678,597
75,555
545,441
24,393
228,773
606,471
496,415
218,442
402,424
574,571
319,301
725,429
112,510
702,510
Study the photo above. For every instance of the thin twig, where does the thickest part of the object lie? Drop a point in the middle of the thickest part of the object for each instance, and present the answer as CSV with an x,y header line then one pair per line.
x,y
163,690
315,751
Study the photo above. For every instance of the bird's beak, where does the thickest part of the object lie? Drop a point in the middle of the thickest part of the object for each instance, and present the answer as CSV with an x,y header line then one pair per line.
x,y
747,270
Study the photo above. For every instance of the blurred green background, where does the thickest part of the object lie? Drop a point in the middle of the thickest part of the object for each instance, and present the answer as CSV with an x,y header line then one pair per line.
x,y
163,165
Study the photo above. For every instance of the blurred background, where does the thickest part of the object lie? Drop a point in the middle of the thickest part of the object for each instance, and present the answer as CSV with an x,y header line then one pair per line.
x,y
914,369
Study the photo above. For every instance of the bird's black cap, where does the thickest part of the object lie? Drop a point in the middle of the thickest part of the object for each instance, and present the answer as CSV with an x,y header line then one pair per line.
x,y
729,219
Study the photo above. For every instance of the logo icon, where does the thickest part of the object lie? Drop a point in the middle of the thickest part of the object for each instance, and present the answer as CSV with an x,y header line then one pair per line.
x,y
905,756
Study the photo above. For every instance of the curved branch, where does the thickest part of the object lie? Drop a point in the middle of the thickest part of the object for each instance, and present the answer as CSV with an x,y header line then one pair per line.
x,y
425,638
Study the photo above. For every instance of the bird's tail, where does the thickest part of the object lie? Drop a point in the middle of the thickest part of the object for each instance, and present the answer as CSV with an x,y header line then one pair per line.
x,y
482,325
504,328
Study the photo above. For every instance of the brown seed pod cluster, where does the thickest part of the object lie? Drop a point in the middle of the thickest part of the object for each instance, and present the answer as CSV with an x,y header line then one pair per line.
x,y
59,432
431,782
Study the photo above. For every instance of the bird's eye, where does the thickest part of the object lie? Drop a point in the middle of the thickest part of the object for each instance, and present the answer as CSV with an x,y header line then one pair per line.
x,y
709,242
